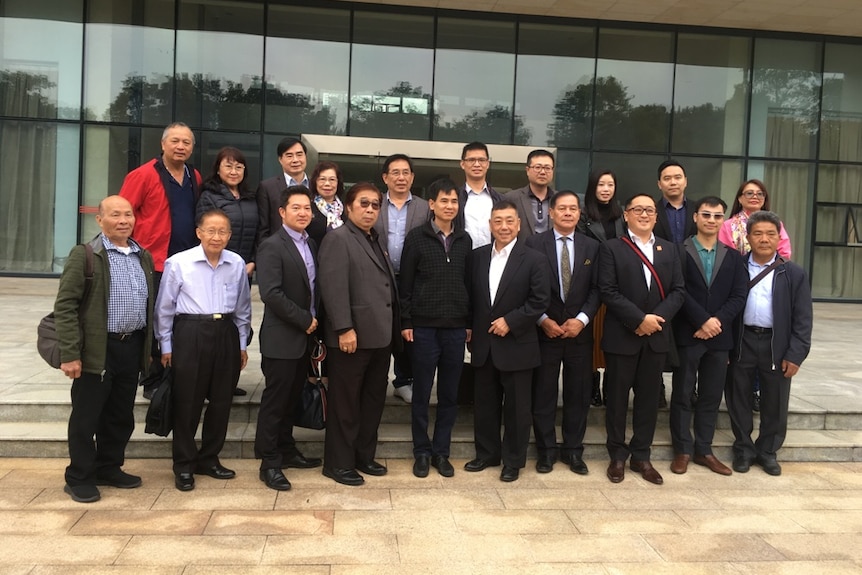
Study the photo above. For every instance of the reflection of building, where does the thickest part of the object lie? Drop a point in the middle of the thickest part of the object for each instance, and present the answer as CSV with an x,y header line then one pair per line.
x,y
86,87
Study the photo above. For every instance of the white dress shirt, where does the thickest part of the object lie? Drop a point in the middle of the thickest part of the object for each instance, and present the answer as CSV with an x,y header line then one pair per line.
x,y
477,216
498,264
647,249
758,308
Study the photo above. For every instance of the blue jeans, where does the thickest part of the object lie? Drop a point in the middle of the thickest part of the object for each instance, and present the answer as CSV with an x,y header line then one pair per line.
x,y
440,349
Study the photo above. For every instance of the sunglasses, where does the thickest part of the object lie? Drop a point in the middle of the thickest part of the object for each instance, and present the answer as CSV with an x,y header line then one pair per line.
x,y
365,202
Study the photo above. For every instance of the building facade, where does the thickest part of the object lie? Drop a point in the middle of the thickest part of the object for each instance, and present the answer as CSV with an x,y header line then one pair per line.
x,y
88,85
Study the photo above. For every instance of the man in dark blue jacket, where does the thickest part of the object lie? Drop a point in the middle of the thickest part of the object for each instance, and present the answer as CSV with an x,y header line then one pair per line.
x,y
716,284
772,341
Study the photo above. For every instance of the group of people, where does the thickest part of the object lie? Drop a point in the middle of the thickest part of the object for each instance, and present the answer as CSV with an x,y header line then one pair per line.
x,y
516,278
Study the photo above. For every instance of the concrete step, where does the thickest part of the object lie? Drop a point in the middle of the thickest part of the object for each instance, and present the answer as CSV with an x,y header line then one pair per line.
x,y
48,439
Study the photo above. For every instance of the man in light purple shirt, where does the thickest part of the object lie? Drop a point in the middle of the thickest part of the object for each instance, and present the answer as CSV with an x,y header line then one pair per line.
x,y
203,315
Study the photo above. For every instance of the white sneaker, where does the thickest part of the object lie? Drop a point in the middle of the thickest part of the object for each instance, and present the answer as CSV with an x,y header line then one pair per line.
x,y
405,392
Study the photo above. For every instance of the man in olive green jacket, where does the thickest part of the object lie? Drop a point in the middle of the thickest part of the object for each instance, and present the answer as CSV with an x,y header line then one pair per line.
x,y
104,345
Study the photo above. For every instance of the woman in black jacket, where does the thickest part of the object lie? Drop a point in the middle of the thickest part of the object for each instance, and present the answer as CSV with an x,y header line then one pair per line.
x,y
226,190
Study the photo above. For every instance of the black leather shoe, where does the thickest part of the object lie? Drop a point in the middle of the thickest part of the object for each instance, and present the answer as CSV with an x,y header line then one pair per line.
x,y
217,471
441,463
769,465
83,493
421,466
755,401
299,461
480,464
184,481
741,463
617,470
119,479
239,392
344,476
647,471
371,468
274,479
578,466
662,398
545,464
509,474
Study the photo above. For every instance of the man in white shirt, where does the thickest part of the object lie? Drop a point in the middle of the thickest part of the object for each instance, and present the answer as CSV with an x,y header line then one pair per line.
x,y
477,197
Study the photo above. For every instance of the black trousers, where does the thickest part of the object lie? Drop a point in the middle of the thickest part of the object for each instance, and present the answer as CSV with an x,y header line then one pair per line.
x,y
705,368
576,359
357,393
756,361
502,398
640,372
102,409
206,366
273,439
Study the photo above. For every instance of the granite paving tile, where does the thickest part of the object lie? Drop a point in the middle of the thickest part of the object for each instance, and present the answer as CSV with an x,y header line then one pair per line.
x,y
623,548
660,498
330,549
470,568
270,523
555,499
721,547
611,522
31,521
193,549
671,569
740,521
448,498
334,498
428,521
62,549
818,546
799,568
461,547
828,520
140,522
112,498
512,521
204,499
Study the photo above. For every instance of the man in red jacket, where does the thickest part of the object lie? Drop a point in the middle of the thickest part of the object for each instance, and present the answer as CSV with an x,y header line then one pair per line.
x,y
164,193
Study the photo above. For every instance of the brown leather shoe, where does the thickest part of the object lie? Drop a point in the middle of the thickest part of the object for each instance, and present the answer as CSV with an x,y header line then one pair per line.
x,y
713,464
617,470
679,465
647,471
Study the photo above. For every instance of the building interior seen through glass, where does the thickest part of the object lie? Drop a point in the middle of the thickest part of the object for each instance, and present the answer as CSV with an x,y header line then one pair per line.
x,y
88,86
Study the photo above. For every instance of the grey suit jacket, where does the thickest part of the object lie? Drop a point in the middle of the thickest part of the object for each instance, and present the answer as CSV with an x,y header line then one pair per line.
x,y
268,202
356,289
521,198
418,213
286,293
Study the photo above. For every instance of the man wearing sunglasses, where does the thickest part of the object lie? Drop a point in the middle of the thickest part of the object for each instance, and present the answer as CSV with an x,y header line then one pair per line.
x,y
716,285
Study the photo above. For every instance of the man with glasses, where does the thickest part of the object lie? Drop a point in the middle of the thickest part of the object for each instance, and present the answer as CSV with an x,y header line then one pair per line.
x,y
640,282
401,213
716,285
533,200
292,156
203,314
477,197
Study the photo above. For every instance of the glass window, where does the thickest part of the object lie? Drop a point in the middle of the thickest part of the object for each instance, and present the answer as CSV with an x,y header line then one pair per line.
x,y
307,70
711,94
129,61
554,88
474,82
209,143
791,189
38,161
836,272
219,70
785,98
841,126
634,85
391,76
636,173
40,59
572,170
839,232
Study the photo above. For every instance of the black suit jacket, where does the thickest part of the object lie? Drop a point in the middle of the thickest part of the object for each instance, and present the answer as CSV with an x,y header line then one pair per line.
x,y
462,201
662,226
722,296
522,298
268,201
624,291
287,295
583,293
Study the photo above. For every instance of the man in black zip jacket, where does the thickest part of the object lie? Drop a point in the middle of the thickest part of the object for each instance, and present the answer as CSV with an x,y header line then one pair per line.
x,y
772,341
434,315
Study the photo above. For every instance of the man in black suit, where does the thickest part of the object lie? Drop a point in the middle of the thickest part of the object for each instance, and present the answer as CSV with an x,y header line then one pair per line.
x,y
640,281
477,197
572,260
716,285
509,290
533,200
287,288
292,158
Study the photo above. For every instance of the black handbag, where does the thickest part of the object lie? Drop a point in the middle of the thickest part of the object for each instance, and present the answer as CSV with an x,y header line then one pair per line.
x,y
47,340
311,407
160,414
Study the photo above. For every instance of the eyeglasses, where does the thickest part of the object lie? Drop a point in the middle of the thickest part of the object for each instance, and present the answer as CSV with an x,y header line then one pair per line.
x,y
365,202
480,161
234,167
641,210
211,233
399,173
542,168
711,216
752,194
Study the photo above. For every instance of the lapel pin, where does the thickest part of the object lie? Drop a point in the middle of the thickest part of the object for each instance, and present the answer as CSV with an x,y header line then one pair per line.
x,y
658,248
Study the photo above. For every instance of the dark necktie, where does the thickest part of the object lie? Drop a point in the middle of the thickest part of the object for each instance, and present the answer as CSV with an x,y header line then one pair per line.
x,y
565,267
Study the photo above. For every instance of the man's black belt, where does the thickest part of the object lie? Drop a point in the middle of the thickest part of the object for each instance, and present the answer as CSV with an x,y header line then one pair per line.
x,y
205,316
757,329
124,336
